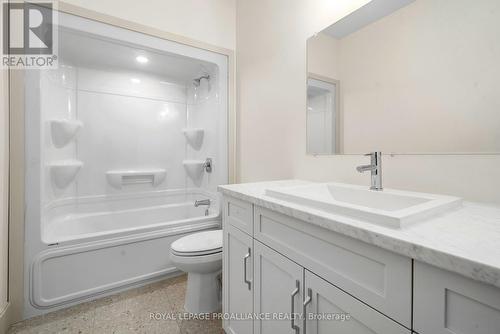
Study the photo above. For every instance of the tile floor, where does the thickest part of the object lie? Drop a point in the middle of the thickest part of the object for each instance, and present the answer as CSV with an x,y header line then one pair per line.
x,y
127,312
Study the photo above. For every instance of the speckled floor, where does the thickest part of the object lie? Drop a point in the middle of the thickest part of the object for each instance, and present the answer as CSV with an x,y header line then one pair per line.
x,y
127,312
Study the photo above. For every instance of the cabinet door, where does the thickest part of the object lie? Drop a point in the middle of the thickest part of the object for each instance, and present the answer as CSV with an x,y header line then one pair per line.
x,y
237,280
330,310
448,303
379,278
278,291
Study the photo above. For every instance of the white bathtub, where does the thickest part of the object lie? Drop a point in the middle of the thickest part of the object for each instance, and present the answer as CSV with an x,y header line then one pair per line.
x,y
99,245
98,217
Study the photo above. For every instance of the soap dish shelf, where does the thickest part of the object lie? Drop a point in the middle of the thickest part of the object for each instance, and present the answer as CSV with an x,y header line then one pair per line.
x,y
194,137
63,172
64,130
120,178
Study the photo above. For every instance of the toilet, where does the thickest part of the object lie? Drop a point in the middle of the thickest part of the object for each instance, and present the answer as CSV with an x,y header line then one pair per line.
x,y
200,256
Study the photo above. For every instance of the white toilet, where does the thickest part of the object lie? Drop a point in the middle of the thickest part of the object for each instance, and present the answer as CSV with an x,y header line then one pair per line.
x,y
200,255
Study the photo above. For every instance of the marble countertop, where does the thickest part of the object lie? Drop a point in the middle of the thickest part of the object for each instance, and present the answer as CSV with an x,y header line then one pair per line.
x,y
465,240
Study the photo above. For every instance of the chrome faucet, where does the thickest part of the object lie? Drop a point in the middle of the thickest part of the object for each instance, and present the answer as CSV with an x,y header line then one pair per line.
x,y
375,167
206,202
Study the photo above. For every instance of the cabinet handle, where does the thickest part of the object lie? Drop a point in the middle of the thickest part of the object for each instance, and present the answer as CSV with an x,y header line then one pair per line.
x,y
249,282
306,302
294,293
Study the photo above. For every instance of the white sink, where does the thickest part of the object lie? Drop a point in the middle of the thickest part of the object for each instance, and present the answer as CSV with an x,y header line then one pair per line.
x,y
389,207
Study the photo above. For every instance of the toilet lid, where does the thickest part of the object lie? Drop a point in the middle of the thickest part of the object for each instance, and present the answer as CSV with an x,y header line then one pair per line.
x,y
199,243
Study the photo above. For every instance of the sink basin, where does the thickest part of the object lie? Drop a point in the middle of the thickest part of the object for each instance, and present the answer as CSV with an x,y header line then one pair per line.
x,y
389,207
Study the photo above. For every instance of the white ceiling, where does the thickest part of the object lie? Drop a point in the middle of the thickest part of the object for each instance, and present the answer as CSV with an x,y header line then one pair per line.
x,y
369,13
82,49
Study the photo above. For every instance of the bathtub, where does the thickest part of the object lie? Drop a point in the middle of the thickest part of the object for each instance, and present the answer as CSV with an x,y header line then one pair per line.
x,y
99,245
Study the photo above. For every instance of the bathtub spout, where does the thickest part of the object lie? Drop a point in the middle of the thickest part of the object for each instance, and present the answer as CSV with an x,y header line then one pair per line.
x,y
206,202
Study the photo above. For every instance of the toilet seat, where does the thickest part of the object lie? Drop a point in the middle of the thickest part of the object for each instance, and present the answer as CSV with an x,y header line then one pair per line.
x,y
198,244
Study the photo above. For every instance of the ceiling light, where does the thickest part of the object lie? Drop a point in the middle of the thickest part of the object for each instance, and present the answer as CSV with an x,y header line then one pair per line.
x,y
135,80
141,59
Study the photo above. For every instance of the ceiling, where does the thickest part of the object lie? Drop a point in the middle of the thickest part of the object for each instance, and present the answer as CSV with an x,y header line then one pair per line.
x,y
86,50
369,13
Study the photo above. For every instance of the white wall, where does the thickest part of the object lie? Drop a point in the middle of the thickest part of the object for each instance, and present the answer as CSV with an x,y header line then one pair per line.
x,y
271,51
131,121
209,21
57,101
204,112
129,126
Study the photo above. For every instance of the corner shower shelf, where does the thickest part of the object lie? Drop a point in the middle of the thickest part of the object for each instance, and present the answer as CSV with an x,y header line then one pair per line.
x,y
120,178
194,168
63,131
63,172
194,136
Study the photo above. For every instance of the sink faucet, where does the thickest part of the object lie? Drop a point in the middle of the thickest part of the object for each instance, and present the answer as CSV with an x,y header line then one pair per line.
x,y
375,167
206,202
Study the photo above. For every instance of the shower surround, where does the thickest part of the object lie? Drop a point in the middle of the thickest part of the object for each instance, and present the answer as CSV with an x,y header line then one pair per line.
x,y
115,154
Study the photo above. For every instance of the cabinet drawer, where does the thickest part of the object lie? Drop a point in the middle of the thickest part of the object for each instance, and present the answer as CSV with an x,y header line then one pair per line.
x,y
326,299
239,214
450,303
377,277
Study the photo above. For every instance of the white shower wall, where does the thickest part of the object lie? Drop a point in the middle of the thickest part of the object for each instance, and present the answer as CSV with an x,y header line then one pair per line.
x,y
202,101
131,121
57,101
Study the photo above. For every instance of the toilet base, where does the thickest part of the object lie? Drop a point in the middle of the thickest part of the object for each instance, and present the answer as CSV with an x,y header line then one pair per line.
x,y
203,293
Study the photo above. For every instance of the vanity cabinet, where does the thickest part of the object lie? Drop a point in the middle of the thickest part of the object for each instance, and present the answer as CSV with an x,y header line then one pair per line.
x,y
375,276
446,303
283,259
276,265
282,287
238,280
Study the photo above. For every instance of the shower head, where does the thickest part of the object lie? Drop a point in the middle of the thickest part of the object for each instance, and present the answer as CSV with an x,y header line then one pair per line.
x,y
197,81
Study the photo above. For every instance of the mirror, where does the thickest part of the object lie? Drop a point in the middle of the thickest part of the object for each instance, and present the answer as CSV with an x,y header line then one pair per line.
x,y
406,77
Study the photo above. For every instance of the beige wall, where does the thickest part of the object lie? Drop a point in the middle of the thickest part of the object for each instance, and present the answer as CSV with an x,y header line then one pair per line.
x,y
271,53
323,56
209,21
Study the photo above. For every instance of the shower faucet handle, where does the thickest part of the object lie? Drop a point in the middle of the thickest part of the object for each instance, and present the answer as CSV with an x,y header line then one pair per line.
x,y
208,165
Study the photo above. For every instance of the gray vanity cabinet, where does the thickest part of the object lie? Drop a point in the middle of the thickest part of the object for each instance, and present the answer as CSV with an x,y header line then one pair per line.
x,y
291,262
238,279
447,303
271,261
379,278
282,287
